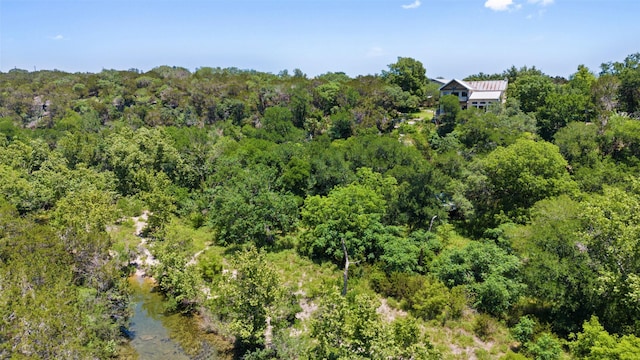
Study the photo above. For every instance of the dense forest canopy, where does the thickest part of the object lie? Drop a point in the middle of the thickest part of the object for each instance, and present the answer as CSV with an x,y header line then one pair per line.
x,y
518,224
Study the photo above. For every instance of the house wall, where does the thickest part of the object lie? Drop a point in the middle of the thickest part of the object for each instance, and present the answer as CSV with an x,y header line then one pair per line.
x,y
458,90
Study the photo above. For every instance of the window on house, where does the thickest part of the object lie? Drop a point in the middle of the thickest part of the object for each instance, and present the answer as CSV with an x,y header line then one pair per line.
x,y
454,93
464,93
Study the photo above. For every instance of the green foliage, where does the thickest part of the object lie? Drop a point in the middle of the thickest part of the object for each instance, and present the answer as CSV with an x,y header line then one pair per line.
x,y
450,108
490,274
578,144
251,209
484,326
483,132
546,347
435,301
531,91
177,278
409,74
141,153
594,342
277,125
609,235
557,271
517,176
628,72
523,331
621,139
400,285
350,328
560,109
49,286
250,293
400,253
210,266
351,213
341,125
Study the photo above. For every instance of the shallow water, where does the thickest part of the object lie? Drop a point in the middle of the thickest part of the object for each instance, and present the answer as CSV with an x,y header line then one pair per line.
x,y
157,335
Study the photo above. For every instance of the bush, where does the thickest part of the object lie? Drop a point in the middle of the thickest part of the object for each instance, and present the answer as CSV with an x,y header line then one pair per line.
x,y
484,326
523,331
210,265
457,302
547,347
399,285
431,300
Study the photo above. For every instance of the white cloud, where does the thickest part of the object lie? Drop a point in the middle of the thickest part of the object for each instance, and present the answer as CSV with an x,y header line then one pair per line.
x,y
542,2
375,51
500,5
57,37
413,5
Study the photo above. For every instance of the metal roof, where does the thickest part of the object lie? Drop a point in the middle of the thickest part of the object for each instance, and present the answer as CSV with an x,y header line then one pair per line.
x,y
441,81
489,85
485,95
465,84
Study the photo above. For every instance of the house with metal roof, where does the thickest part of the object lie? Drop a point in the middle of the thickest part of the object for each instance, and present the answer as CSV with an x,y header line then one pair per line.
x,y
478,94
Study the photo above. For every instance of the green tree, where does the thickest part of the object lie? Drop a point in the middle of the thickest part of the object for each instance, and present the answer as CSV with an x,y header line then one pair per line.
x,y
531,91
350,328
630,84
409,74
560,109
482,132
605,95
341,125
517,176
278,125
251,296
351,214
546,347
594,342
490,274
178,279
579,144
558,272
46,291
251,209
449,107
524,330
609,234
582,80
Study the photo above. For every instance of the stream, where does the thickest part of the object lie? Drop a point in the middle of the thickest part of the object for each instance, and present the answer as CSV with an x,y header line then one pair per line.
x,y
155,334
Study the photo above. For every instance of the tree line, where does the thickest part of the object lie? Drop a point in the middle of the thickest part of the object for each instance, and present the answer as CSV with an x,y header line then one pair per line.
x,y
523,215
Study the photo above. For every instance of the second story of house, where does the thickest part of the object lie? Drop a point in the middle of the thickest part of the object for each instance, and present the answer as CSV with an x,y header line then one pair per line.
x,y
478,94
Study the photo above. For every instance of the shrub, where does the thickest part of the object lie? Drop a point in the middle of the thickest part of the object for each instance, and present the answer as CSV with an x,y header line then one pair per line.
x,y
547,347
484,326
523,331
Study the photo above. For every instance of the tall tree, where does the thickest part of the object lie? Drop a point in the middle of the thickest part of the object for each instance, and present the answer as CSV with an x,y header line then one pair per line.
x,y
531,91
409,74
517,176
251,295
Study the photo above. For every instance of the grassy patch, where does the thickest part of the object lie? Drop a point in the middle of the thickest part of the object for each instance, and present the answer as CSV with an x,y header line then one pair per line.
x,y
200,238
423,114
303,274
125,241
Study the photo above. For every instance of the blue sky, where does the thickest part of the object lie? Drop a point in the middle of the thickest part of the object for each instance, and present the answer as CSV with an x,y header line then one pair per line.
x,y
452,38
